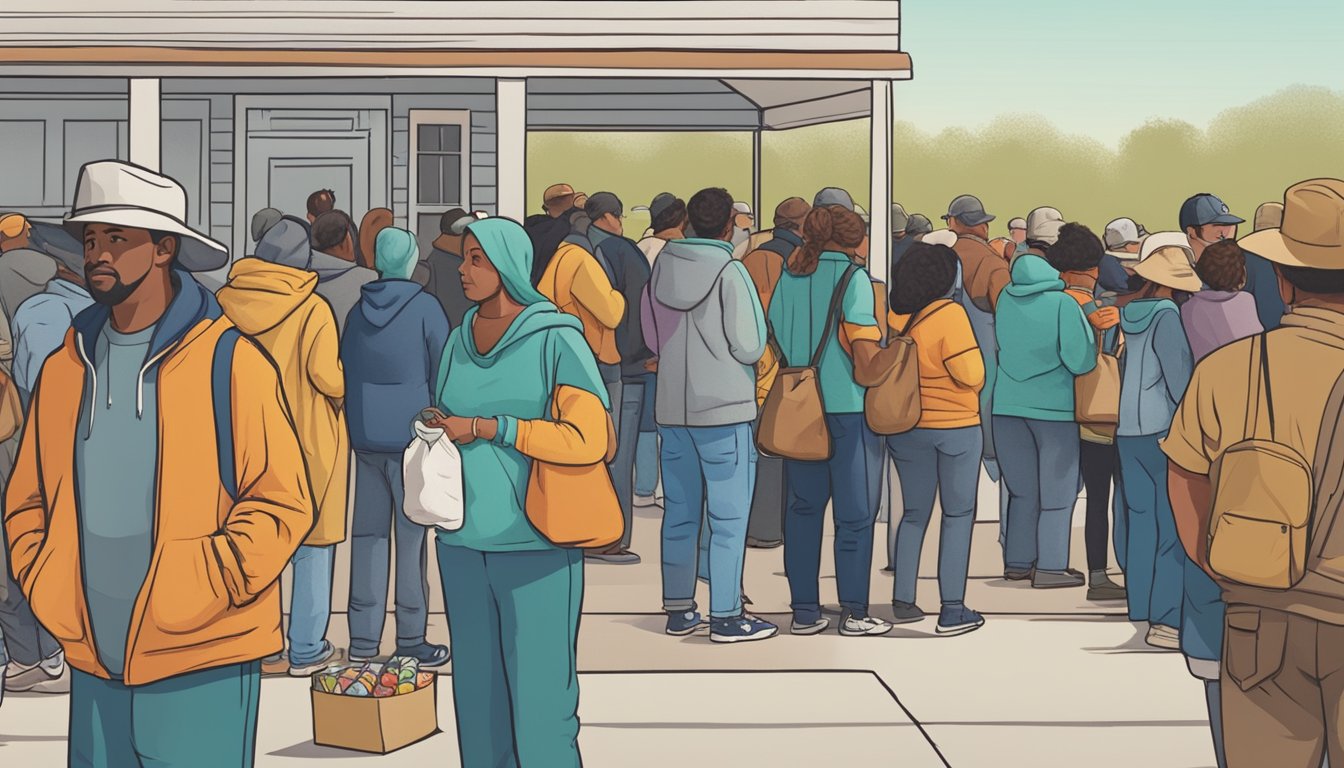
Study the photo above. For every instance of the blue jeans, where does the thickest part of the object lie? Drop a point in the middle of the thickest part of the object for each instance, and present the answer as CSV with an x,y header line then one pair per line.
x,y
514,622
1155,576
310,604
202,719
1039,460
634,402
378,501
852,481
943,462
22,639
646,448
708,475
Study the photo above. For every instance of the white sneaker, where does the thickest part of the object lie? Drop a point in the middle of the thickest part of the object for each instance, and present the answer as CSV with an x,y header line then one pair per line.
x,y
48,676
865,627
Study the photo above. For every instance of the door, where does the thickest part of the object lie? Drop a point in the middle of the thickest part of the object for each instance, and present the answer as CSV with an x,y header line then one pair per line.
x,y
291,153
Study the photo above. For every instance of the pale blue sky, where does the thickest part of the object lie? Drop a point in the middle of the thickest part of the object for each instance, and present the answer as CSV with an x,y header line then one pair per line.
x,y
1103,67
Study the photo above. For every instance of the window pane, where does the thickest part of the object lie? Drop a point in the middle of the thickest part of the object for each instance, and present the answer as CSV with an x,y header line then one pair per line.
x,y
429,138
427,179
452,178
452,138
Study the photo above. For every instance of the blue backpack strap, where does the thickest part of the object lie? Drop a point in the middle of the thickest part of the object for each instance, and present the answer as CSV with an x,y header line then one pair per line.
x,y
221,388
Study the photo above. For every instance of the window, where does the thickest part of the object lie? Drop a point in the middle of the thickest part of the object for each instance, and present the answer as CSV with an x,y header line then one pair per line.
x,y
440,167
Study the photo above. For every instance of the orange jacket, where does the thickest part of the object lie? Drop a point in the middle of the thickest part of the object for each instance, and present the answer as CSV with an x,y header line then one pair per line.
x,y
211,596
577,285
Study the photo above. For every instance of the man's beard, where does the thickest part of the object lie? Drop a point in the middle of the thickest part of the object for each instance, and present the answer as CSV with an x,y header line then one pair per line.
x,y
114,295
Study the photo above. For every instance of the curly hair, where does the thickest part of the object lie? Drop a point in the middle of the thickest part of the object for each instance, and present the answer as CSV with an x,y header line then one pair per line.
x,y
709,211
924,274
1076,250
1222,266
824,226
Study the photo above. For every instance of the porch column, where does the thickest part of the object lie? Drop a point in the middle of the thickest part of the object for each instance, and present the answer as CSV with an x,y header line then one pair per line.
x,y
756,173
144,122
879,208
511,163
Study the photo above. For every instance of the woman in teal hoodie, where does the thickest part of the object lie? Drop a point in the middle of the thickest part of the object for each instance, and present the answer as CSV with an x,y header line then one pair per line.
x,y
1044,342
513,598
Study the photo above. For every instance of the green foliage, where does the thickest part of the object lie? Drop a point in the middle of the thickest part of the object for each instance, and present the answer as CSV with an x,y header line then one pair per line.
x,y
1247,155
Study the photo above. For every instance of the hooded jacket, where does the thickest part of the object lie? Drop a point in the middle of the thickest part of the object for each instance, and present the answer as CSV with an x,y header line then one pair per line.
x,y
211,596
391,349
1044,342
24,273
1214,319
1155,368
276,306
703,320
338,281
631,273
40,325
578,286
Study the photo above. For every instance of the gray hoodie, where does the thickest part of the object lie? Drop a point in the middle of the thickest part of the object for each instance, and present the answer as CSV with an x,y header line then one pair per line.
x,y
703,319
339,282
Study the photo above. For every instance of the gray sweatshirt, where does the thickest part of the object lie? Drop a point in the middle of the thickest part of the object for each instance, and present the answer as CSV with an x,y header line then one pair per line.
x,y
703,319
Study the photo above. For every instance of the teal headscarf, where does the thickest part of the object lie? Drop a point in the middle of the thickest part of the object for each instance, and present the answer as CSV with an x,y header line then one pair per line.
x,y
510,249
395,254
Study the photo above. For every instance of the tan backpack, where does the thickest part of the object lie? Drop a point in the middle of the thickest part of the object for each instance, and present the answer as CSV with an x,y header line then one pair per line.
x,y
892,406
1264,498
793,419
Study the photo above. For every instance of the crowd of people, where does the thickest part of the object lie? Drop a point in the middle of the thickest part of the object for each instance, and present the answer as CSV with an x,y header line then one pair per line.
x,y
572,364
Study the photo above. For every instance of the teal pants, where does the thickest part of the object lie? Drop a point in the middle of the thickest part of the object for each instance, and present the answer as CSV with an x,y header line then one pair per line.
x,y
514,622
203,719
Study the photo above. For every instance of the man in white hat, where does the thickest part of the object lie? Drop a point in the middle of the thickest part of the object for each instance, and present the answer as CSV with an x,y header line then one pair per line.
x,y
159,493
1279,646
743,222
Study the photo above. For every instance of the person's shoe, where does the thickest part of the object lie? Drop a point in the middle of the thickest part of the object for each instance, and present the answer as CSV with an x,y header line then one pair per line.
x,y
682,623
644,502
47,676
614,556
1017,574
356,658
958,620
430,655
1164,637
815,628
889,571
1100,588
271,666
308,670
867,626
740,629
755,543
1057,579
906,613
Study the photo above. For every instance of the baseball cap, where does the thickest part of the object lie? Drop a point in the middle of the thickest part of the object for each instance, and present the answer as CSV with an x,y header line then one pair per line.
x,y
833,196
743,208
794,210
1268,216
602,203
899,218
1017,223
1203,209
968,210
556,191
919,225
1121,232
454,221
1043,224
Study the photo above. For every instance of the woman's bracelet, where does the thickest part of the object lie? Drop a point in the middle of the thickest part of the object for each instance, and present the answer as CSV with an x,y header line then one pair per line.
x,y
474,433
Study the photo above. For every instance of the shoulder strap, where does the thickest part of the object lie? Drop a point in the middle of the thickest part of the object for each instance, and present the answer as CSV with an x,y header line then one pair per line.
x,y
1265,382
833,314
915,319
221,387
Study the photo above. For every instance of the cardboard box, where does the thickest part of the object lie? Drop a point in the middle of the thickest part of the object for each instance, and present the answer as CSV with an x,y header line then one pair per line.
x,y
366,724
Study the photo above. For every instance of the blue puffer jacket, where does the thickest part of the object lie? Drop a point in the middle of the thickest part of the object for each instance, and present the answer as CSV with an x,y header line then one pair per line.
x,y
391,348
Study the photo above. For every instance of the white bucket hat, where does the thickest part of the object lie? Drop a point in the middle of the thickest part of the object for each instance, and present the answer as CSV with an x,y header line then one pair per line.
x,y
1165,258
113,192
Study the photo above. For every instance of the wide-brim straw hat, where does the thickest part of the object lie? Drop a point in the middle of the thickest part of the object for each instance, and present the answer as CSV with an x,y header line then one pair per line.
x,y
1312,234
1166,258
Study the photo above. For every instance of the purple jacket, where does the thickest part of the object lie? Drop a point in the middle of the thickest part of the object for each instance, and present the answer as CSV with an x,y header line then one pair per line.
x,y
1214,319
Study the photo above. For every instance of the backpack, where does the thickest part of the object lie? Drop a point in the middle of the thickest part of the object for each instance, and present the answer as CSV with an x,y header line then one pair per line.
x,y
221,390
1264,497
793,419
892,406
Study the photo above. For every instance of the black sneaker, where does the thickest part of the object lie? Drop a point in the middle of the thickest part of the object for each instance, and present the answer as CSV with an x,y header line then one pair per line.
x,y
906,613
958,620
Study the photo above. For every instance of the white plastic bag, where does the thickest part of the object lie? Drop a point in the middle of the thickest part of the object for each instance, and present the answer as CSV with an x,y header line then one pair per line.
x,y
432,472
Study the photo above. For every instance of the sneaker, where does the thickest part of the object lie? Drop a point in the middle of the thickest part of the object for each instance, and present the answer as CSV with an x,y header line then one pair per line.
x,y
1057,579
1017,574
906,613
1164,637
1101,589
355,658
614,556
755,543
889,571
648,501
272,666
47,676
430,655
740,629
815,628
958,620
308,670
867,626
680,624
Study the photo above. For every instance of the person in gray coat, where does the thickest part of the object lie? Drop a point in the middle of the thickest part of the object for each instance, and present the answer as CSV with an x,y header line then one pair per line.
x,y
338,281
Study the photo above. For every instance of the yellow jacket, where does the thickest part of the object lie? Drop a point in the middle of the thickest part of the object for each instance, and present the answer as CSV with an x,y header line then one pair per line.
x,y
576,284
277,306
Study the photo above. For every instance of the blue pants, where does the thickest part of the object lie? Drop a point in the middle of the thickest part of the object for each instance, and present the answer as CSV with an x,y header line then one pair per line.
x,y
1202,614
1155,572
634,402
646,449
378,503
310,604
852,481
943,462
22,639
708,475
1039,460
196,720
514,622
